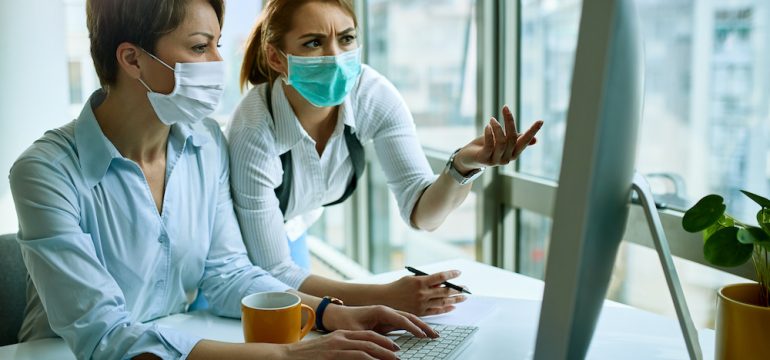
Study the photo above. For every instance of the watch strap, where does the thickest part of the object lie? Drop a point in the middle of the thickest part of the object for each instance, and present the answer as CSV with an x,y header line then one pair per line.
x,y
319,312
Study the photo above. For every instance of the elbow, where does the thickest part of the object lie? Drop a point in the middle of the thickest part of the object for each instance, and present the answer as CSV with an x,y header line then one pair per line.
x,y
429,226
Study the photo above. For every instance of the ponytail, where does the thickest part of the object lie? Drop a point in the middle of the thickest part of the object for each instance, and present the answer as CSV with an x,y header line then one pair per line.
x,y
255,69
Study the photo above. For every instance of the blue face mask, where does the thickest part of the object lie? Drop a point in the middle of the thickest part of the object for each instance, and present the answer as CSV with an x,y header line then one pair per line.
x,y
324,80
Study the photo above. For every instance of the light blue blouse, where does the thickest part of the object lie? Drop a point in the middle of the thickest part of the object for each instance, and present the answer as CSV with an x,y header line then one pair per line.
x,y
102,260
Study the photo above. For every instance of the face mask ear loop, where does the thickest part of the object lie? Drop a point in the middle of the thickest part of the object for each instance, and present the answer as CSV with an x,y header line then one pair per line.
x,y
158,59
285,78
145,85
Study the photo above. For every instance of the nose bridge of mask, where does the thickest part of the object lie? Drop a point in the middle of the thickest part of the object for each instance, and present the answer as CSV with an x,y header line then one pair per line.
x,y
198,91
338,59
208,73
197,80
308,62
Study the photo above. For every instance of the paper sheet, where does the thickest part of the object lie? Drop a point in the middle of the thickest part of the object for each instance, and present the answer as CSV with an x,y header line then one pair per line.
x,y
467,313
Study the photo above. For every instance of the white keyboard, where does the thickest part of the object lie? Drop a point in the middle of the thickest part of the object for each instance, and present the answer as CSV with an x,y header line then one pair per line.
x,y
451,342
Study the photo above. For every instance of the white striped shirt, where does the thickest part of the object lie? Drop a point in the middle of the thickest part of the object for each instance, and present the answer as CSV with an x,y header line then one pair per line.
x,y
375,112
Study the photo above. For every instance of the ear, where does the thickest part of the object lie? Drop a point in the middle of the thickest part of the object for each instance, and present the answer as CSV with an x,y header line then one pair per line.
x,y
128,56
276,60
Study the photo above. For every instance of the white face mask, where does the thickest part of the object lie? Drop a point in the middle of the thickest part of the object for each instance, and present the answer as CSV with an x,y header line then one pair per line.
x,y
198,87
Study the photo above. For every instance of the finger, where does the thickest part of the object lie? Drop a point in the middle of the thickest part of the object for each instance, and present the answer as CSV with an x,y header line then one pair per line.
x,y
511,135
368,350
442,302
438,311
439,277
510,123
489,145
497,129
426,329
352,355
443,291
525,139
402,320
533,142
372,337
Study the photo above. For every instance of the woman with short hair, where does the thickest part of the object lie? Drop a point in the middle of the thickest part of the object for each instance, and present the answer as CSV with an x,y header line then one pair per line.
x,y
126,211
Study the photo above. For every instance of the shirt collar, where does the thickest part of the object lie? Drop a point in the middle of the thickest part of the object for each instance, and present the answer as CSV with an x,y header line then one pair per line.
x,y
288,131
96,152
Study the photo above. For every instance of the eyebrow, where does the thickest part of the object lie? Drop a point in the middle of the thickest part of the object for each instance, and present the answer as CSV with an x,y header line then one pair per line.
x,y
319,35
210,36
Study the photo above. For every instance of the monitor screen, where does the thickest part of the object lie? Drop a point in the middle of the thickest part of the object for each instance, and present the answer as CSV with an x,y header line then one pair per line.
x,y
592,200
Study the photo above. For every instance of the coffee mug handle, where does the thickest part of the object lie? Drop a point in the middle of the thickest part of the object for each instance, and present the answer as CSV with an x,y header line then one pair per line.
x,y
310,321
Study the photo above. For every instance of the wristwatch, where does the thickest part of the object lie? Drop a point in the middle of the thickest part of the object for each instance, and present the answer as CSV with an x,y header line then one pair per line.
x,y
460,178
319,312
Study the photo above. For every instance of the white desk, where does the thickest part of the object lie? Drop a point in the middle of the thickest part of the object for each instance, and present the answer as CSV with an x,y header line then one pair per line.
x,y
507,331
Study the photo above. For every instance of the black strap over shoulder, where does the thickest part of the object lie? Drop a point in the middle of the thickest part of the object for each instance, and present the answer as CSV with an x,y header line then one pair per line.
x,y
357,156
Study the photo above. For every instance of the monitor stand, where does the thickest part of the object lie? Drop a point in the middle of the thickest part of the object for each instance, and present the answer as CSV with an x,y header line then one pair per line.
x,y
642,189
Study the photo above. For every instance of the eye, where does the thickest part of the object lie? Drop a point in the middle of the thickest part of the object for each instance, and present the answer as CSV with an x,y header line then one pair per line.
x,y
200,48
312,44
348,39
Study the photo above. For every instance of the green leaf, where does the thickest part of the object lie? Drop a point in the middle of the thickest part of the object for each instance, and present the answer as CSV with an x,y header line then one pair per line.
x,y
763,202
763,218
723,222
724,249
752,235
704,213
711,230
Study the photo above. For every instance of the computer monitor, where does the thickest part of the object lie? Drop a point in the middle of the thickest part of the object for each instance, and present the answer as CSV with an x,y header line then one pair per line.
x,y
592,200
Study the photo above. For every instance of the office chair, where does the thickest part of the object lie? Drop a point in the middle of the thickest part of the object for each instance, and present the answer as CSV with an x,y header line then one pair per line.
x,y
13,289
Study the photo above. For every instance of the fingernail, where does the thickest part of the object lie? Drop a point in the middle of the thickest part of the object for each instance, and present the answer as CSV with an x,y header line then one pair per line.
x,y
395,346
456,273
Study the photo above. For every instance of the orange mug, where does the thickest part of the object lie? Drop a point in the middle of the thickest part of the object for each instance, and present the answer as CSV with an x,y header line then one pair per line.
x,y
275,317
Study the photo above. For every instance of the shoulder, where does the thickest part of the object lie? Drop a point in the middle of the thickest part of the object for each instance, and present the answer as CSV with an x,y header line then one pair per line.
x,y
375,96
52,158
252,111
375,89
252,125
56,147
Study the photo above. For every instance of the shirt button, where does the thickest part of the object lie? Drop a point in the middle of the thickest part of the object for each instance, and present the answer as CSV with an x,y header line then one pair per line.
x,y
159,284
162,238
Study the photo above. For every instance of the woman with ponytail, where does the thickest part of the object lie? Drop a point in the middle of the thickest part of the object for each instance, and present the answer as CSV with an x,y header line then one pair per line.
x,y
296,146
125,212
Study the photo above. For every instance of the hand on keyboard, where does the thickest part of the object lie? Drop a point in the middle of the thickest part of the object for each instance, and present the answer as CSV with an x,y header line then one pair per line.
x,y
452,340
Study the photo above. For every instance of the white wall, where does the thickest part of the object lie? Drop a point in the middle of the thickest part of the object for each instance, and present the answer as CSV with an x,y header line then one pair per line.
x,y
33,83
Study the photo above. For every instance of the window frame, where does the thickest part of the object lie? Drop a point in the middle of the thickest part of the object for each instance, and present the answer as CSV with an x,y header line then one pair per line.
x,y
501,193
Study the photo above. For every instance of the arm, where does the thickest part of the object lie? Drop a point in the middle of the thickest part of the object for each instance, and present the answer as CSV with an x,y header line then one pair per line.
x,y
256,173
84,304
228,274
494,148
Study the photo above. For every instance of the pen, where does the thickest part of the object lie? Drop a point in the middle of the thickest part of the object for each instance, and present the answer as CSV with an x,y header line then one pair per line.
x,y
446,283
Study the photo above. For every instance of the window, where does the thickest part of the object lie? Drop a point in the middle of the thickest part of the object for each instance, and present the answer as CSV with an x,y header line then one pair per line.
x,y
435,73
704,128
69,76
548,39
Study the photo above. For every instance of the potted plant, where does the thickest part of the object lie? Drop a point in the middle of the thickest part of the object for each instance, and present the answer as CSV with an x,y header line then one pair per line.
x,y
743,310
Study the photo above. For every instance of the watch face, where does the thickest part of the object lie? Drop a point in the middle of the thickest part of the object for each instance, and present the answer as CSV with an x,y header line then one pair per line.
x,y
334,300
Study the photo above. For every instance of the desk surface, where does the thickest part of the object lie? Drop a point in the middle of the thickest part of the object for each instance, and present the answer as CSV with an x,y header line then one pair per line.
x,y
506,331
